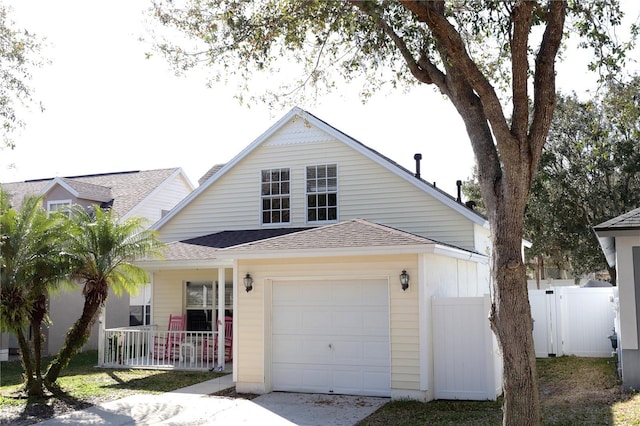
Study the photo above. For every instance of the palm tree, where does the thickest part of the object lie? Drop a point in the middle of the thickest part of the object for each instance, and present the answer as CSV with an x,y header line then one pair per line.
x,y
102,252
32,265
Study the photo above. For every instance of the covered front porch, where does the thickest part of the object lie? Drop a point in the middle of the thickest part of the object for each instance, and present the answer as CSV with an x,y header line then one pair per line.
x,y
146,347
202,298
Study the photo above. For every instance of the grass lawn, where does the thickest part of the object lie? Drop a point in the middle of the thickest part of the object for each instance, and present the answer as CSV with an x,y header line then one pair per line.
x,y
84,385
573,391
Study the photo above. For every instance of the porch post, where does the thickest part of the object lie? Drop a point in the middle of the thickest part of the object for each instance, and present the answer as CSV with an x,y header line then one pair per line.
x,y
221,305
101,332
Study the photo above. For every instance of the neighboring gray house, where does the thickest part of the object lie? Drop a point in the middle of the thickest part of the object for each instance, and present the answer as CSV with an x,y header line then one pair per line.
x,y
620,241
143,193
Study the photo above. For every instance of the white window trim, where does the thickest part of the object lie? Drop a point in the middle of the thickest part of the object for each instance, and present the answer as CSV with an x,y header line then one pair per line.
x,y
306,194
54,202
261,196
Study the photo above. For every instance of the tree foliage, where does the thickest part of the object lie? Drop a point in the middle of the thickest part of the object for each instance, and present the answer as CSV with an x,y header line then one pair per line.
x,y
589,173
19,54
32,265
102,252
40,250
494,60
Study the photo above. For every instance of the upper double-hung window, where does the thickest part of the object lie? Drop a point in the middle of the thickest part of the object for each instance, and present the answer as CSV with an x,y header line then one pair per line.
x,y
322,193
275,192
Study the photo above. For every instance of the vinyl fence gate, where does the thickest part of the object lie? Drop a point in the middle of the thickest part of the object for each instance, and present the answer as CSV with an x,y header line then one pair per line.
x,y
573,321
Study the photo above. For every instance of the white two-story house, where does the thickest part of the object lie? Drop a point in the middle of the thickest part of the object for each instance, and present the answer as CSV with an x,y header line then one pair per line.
x,y
327,255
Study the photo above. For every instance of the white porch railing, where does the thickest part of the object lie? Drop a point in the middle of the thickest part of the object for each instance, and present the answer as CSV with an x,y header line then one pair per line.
x,y
147,347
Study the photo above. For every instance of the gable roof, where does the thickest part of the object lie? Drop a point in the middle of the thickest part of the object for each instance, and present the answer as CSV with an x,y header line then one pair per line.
x,y
375,156
83,190
126,189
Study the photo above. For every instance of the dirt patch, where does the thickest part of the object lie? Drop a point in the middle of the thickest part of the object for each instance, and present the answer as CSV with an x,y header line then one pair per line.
x,y
42,409
233,394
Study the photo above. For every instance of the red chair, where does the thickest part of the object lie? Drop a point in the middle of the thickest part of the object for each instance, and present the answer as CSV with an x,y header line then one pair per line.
x,y
211,346
168,345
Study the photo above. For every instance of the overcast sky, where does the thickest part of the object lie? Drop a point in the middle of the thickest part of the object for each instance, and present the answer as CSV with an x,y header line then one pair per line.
x,y
109,109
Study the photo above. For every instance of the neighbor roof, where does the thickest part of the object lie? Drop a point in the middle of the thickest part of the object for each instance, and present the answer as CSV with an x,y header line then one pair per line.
x,y
626,221
126,189
216,173
619,225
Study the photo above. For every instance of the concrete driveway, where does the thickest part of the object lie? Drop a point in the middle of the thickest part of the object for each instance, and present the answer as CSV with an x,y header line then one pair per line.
x,y
195,406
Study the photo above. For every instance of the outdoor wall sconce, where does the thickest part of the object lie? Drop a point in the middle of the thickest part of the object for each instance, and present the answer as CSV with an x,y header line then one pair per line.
x,y
248,283
404,280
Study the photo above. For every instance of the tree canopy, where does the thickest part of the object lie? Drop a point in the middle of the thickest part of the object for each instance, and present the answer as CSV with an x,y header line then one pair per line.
x,y
19,54
494,60
589,173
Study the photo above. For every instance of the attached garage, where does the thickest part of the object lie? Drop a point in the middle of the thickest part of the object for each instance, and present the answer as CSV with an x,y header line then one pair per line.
x,y
328,337
327,312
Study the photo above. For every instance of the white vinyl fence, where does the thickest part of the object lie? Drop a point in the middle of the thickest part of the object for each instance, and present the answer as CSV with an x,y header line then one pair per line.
x,y
572,321
467,362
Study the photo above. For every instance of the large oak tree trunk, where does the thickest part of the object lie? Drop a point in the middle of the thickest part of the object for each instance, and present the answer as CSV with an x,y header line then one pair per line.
x,y
512,324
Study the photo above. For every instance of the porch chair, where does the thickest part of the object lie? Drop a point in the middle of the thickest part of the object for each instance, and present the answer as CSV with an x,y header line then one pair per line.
x,y
168,346
211,346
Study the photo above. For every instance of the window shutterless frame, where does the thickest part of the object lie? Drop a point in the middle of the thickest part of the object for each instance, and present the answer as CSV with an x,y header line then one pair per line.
x,y
321,185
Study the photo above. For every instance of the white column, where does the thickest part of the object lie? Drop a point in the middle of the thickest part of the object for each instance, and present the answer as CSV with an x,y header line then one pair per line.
x,y
101,332
221,305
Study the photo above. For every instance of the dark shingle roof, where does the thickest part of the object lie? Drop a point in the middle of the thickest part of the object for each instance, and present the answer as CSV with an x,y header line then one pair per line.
x,y
627,221
127,189
207,246
226,239
356,233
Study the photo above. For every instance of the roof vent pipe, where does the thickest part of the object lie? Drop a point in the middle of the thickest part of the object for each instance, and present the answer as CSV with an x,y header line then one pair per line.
x,y
417,157
459,185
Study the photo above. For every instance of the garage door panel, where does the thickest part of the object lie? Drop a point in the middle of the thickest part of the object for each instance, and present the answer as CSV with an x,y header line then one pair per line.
x,y
372,382
301,349
373,321
292,378
315,320
331,337
287,320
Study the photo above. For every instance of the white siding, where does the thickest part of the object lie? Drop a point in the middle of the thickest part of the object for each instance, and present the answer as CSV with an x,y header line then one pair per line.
x,y
165,197
450,277
253,316
365,190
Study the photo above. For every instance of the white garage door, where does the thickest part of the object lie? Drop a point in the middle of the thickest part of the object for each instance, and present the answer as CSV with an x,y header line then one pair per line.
x,y
331,337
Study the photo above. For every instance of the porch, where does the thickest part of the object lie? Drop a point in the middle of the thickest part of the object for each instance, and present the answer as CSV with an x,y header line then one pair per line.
x,y
146,347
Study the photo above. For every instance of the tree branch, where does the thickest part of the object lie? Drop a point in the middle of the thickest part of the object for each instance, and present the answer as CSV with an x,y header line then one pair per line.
x,y
544,87
521,19
422,69
432,14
